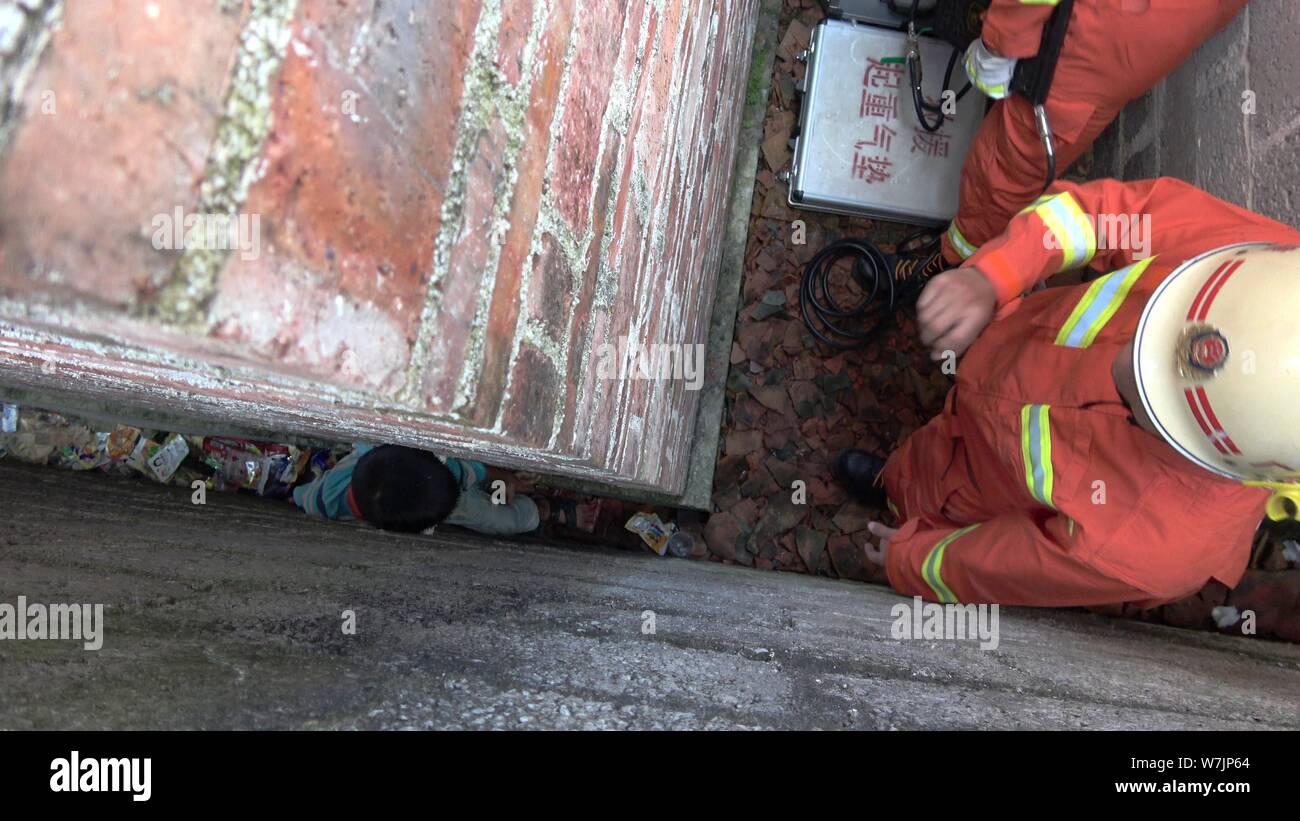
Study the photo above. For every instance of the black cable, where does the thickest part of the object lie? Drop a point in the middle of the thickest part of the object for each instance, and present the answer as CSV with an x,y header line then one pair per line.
x,y
918,98
915,75
873,271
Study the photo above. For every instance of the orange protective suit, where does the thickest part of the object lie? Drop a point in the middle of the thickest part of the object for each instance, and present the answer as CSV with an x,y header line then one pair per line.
x,y
1114,51
1033,486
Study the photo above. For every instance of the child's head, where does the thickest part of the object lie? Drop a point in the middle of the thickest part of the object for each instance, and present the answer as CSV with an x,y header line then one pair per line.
x,y
403,489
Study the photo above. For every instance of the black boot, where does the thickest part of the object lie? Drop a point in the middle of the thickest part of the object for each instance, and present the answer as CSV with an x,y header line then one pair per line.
x,y
859,471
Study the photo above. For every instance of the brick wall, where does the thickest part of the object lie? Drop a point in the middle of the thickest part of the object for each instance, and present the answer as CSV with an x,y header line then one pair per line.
x,y
456,204
1228,120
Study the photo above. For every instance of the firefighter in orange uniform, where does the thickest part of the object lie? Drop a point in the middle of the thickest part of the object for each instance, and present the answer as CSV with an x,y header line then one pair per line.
x,y
1114,441
1114,51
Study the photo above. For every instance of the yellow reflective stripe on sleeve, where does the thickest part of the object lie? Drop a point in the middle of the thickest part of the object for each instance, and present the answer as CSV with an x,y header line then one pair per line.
x,y
1071,228
959,243
1039,2
893,508
1036,449
1031,206
933,564
1099,303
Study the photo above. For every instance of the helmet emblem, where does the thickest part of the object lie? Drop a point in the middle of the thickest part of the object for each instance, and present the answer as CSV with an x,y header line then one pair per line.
x,y
1202,351
1208,351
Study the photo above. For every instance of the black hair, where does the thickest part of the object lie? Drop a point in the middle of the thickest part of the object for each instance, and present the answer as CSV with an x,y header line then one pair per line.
x,y
403,489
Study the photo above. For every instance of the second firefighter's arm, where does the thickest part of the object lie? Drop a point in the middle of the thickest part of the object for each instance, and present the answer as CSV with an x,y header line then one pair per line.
x,y
1128,220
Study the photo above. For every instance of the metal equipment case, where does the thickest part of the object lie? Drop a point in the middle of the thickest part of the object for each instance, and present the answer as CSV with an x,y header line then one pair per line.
x,y
860,149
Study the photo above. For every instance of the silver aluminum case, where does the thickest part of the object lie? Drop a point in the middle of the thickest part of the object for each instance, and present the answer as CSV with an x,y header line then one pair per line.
x,y
922,190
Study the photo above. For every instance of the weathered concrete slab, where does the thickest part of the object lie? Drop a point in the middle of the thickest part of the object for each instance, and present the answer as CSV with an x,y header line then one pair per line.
x,y
698,490
487,227
229,616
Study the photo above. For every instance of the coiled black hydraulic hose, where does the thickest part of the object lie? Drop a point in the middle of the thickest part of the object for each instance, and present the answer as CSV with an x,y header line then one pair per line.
x,y
873,270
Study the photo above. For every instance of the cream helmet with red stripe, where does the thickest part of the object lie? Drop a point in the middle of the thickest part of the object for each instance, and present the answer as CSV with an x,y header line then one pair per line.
x,y
1217,362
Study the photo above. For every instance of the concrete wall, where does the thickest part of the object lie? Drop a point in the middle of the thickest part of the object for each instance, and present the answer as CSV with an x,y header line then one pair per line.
x,y
458,204
1228,120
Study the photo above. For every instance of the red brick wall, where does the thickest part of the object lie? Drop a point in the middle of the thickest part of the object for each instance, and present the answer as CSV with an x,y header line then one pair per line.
x,y
457,204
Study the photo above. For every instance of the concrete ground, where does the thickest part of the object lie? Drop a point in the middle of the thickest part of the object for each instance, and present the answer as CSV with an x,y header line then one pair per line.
x,y
230,615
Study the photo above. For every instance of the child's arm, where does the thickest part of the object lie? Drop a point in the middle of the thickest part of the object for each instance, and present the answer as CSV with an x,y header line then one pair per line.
x,y
505,477
327,495
476,511
469,472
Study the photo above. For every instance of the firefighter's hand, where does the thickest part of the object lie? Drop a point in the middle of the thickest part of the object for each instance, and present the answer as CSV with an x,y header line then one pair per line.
x,y
876,555
954,309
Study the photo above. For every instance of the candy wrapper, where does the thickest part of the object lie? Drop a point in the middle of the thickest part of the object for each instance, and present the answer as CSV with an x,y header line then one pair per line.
x,y
159,461
121,443
319,463
265,469
654,532
84,451
118,445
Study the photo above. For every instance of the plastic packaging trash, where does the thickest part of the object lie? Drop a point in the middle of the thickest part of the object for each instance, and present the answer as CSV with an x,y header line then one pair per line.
x,y
654,532
681,545
38,434
83,450
1225,617
264,468
159,461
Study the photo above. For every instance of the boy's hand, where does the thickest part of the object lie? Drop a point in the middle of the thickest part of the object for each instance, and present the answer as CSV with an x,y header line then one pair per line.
x,y
877,555
525,482
953,310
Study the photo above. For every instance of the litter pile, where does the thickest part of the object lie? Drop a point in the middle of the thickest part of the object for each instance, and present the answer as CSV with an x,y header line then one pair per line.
x,y
45,437
269,469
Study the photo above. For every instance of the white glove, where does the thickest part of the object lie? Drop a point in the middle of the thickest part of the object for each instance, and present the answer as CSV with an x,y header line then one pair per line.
x,y
988,72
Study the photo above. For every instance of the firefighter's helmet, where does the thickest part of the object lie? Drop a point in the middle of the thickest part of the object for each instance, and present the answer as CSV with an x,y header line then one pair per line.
x,y
1217,361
